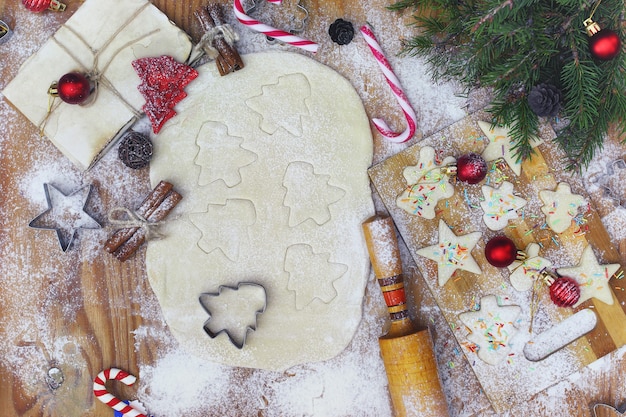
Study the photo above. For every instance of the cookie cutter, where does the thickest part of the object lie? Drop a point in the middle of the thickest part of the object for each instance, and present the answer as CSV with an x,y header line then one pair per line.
x,y
5,32
239,344
297,26
65,244
602,181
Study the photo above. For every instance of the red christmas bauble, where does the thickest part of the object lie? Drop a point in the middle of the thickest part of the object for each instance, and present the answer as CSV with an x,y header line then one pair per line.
x,y
471,168
500,251
564,292
36,5
605,45
73,88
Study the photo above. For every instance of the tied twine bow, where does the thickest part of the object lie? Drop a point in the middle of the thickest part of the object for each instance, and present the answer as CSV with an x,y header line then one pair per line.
x,y
96,74
224,31
125,218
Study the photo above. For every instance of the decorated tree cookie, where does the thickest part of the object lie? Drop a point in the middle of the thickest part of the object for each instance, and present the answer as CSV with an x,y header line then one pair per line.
x,y
502,146
492,328
500,205
560,206
452,252
592,277
428,182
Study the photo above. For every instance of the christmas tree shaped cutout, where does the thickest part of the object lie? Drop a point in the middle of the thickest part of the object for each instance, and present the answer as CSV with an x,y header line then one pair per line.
x,y
163,82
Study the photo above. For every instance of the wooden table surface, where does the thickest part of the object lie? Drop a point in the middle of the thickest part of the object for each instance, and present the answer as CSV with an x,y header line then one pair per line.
x,y
82,306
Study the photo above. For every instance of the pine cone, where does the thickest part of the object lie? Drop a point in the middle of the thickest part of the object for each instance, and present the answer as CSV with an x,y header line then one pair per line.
x,y
341,32
544,100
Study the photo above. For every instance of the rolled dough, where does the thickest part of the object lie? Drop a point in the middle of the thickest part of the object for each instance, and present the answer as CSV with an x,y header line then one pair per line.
x,y
272,164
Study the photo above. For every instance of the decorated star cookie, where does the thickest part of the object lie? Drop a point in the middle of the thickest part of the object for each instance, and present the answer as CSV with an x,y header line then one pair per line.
x,y
524,273
428,182
592,277
500,205
501,146
492,328
452,252
560,206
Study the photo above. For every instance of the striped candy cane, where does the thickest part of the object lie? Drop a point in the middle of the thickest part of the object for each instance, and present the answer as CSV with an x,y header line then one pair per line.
x,y
394,83
281,35
109,399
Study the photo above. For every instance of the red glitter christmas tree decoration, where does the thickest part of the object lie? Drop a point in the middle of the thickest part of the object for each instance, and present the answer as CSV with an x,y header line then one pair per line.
x,y
163,82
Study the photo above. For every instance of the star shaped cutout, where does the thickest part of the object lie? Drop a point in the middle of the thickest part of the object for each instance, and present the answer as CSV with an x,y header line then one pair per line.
x,y
427,182
65,214
592,277
524,273
452,252
500,205
560,206
492,327
501,146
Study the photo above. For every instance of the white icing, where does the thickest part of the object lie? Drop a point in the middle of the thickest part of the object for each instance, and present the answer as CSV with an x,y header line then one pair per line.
x,y
500,205
560,206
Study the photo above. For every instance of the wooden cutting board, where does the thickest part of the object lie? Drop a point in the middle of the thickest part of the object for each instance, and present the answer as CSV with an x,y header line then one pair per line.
x,y
515,379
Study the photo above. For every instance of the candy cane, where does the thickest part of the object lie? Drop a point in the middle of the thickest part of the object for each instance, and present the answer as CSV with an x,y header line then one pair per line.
x,y
109,399
281,35
394,83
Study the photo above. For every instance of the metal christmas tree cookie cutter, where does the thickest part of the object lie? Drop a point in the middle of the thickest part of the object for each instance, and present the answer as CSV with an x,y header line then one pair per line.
x,y
603,181
5,32
205,302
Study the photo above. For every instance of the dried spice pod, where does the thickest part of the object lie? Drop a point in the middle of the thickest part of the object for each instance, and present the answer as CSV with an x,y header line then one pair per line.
x,y
135,150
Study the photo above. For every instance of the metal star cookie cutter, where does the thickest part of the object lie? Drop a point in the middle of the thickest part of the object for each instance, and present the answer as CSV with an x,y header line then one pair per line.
x,y
239,344
38,223
297,25
602,180
5,32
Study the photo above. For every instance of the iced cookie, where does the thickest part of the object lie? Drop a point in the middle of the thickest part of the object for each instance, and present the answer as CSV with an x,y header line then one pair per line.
x,y
452,252
428,182
500,205
492,328
502,146
560,206
592,277
524,273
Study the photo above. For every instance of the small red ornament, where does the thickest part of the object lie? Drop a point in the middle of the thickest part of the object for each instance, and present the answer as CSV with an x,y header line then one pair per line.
x,y
41,5
564,291
500,251
72,88
471,168
604,44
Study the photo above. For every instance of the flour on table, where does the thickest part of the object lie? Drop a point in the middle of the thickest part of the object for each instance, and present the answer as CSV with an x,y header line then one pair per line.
x,y
283,210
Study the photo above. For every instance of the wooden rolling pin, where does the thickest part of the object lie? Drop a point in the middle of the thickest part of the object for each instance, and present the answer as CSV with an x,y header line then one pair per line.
x,y
408,355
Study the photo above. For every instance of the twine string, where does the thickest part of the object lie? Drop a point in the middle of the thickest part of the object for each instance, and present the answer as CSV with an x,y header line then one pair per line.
x,y
125,218
224,31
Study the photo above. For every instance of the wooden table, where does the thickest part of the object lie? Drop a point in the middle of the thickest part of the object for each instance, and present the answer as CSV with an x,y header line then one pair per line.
x,y
86,307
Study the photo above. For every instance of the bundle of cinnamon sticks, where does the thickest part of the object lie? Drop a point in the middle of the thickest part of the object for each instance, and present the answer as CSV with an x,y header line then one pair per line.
x,y
155,207
228,59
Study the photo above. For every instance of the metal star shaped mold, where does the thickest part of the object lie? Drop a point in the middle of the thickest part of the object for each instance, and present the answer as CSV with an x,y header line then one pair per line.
x,y
65,214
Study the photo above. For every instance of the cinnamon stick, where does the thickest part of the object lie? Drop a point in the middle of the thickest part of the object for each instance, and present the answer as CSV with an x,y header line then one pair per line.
x,y
145,210
130,246
228,59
